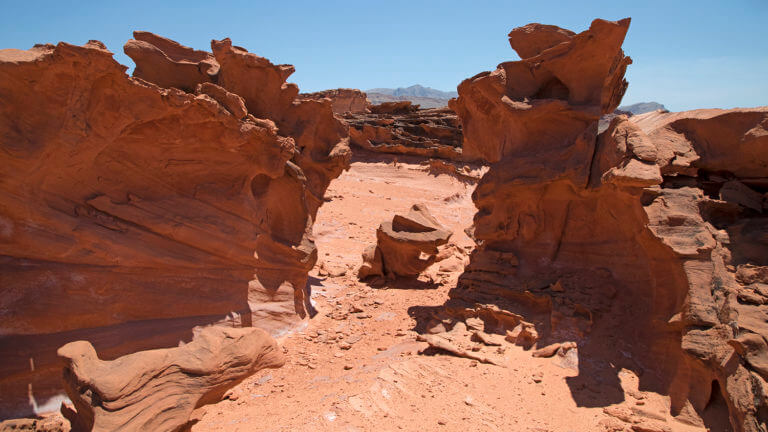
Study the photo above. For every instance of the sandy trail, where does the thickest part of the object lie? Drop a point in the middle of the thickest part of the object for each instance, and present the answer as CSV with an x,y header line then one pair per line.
x,y
358,365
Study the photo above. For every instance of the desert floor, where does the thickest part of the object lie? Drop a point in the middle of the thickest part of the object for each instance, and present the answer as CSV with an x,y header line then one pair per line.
x,y
358,366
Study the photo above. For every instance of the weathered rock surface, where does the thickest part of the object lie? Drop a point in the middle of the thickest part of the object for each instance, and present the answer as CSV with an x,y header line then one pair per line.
x,y
167,63
158,390
501,110
130,212
405,246
342,100
630,243
322,138
401,128
734,141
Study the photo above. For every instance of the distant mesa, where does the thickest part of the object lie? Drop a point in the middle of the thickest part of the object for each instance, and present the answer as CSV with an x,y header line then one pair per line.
x,y
426,97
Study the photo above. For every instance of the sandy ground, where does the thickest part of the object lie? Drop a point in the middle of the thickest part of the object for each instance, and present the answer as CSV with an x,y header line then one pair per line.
x,y
358,366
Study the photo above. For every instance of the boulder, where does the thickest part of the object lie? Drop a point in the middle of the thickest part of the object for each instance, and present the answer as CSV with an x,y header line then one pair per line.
x,y
405,246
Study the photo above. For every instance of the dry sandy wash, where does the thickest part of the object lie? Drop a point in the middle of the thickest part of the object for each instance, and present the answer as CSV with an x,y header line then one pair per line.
x,y
358,365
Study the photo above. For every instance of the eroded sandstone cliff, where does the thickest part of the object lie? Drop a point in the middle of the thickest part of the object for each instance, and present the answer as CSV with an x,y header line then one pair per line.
x,y
133,209
644,245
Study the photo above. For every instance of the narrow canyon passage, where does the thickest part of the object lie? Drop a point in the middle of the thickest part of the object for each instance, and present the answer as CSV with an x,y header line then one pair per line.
x,y
167,237
358,366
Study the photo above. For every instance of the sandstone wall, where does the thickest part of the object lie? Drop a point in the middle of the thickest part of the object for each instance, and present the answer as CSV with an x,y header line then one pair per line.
x,y
133,209
618,241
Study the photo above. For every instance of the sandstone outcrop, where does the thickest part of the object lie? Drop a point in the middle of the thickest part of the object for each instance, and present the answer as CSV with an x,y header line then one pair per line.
x,y
505,106
401,128
342,100
642,243
130,211
322,138
158,390
167,63
405,246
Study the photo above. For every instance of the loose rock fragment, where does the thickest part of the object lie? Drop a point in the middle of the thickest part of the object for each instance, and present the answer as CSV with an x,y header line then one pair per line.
x,y
442,344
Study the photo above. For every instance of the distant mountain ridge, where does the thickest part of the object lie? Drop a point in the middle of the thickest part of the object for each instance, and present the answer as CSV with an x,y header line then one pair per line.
x,y
415,91
642,107
426,97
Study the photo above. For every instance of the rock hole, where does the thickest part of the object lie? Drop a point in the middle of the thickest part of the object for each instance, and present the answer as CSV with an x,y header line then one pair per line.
x,y
715,414
553,89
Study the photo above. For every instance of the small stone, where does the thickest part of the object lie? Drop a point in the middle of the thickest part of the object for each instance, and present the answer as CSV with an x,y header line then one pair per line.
x,y
441,422
347,366
537,377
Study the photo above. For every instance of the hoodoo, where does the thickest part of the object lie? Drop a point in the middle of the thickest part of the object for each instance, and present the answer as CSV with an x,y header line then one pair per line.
x,y
642,243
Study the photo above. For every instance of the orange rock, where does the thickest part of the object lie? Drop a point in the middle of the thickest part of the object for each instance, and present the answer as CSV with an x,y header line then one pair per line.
x,y
135,210
167,63
508,107
430,132
157,390
342,100
643,226
406,246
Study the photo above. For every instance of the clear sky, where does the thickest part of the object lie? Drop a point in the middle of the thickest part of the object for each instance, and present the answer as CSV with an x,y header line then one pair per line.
x,y
687,54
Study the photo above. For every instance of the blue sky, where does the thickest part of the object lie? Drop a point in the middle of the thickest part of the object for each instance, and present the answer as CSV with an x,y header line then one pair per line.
x,y
687,54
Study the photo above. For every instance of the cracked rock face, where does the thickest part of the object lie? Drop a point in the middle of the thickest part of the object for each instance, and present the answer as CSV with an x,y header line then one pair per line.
x,y
158,390
132,210
644,243
402,128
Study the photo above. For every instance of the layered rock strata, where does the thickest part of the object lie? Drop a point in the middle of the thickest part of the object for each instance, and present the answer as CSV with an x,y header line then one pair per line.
x,y
643,243
158,390
405,246
402,128
133,211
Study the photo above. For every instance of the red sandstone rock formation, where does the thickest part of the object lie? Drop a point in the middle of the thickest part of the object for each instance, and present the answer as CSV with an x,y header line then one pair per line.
x,y
321,137
405,246
158,390
130,213
500,110
167,63
342,100
398,128
645,243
